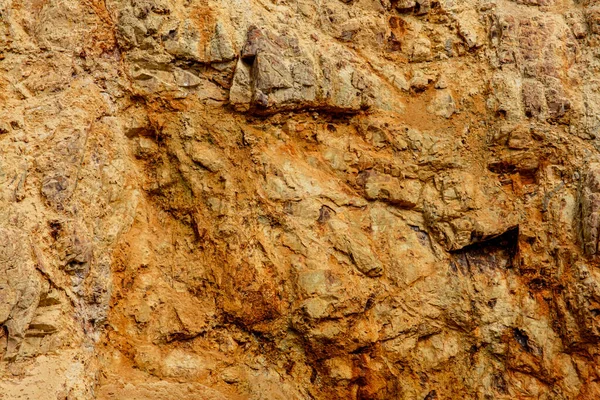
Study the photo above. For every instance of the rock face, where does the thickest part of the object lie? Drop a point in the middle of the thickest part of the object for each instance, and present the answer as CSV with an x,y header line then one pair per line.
x,y
299,199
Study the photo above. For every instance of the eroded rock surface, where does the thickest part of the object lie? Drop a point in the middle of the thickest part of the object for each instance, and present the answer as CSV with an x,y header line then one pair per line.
x,y
307,199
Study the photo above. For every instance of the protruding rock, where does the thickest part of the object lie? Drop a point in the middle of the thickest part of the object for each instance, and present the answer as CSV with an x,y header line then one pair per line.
x,y
275,73
442,104
401,193
421,50
590,209
19,288
356,245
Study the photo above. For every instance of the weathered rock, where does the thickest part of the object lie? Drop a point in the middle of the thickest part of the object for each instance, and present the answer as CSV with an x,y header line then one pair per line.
x,y
421,50
276,73
356,246
19,288
442,104
419,81
401,193
393,199
534,100
590,209
593,19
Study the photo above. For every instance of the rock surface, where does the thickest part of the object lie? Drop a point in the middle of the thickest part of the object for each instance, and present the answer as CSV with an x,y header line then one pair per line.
x,y
299,199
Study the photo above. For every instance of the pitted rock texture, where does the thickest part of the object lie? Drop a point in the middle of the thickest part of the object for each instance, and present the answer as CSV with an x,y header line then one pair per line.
x,y
299,199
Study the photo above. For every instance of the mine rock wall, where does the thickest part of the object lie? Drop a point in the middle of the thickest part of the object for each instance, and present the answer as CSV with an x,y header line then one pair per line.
x,y
299,199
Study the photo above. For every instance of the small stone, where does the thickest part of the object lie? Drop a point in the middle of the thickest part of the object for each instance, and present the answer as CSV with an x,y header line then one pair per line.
x,y
316,308
557,101
469,28
340,369
405,5
186,79
44,322
240,93
231,375
533,98
421,50
4,127
442,82
519,139
593,18
442,104
404,194
220,48
419,81
356,245
146,147
206,155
